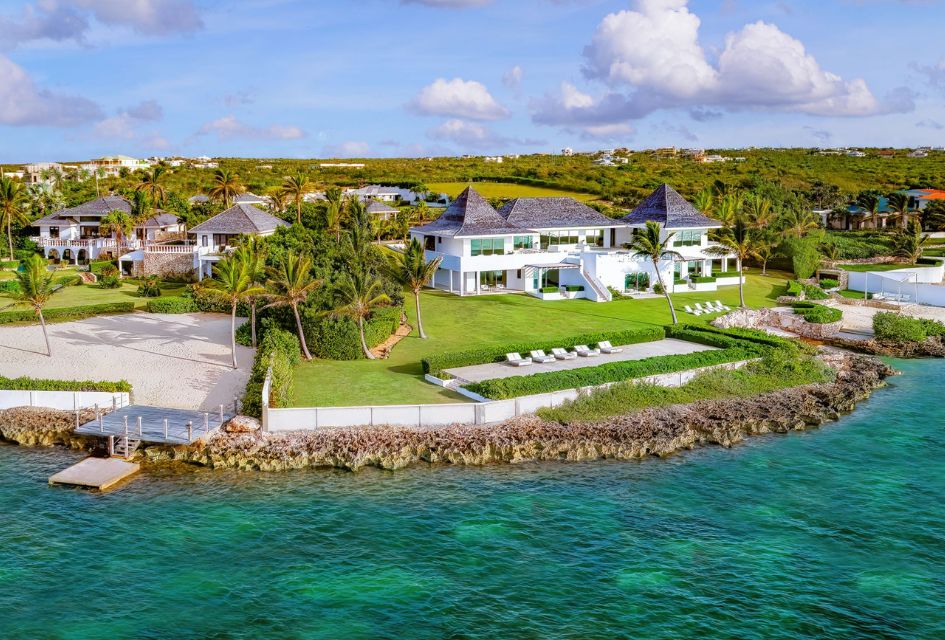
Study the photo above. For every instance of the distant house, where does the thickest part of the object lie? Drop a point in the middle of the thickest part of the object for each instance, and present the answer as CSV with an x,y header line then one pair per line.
x,y
112,165
251,198
567,151
216,234
381,211
198,199
383,194
493,159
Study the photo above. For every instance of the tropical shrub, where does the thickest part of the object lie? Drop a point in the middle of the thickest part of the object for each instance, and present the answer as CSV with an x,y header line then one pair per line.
x,y
108,270
829,283
817,313
40,384
280,349
109,282
172,304
9,286
338,339
895,327
63,314
435,364
9,264
574,288
150,287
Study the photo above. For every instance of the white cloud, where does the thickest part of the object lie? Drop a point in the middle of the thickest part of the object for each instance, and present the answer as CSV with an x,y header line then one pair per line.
x,y
22,103
230,127
348,149
125,124
475,135
458,98
513,77
934,74
603,117
149,111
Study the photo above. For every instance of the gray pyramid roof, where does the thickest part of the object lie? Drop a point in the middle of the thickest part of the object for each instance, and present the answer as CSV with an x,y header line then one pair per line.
x,y
98,207
375,207
161,220
240,218
670,209
551,213
469,215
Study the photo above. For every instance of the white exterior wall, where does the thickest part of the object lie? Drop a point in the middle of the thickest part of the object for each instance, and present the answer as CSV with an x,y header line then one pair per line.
x,y
64,400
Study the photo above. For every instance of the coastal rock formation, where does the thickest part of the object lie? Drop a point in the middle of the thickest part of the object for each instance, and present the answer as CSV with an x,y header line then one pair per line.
x,y
786,320
40,427
242,424
932,347
657,431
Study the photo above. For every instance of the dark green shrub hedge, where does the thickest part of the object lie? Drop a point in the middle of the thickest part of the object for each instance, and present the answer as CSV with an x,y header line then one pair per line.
x,y
109,282
829,283
549,289
723,339
573,288
703,279
40,384
172,304
817,313
899,328
9,264
338,339
210,301
63,314
280,349
794,288
9,286
435,364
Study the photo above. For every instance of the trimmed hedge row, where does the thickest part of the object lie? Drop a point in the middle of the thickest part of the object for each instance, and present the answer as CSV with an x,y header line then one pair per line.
x,y
171,304
41,384
338,338
435,364
504,388
725,338
63,314
794,288
281,349
817,313
9,286
899,328
9,264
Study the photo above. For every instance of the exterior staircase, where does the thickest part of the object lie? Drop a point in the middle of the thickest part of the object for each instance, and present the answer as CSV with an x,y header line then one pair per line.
x,y
601,293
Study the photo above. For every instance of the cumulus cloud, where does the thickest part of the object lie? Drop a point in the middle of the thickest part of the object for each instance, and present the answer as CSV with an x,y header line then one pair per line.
x,y
126,123
458,98
475,135
513,77
651,58
934,74
149,111
61,20
348,149
596,117
229,127
22,103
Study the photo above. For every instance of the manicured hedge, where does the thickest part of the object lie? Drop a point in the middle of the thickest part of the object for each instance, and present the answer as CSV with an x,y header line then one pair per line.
x,y
9,286
437,363
573,288
828,283
899,328
9,264
549,289
817,313
68,281
723,339
503,388
794,288
703,279
281,349
171,304
63,314
338,338
39,384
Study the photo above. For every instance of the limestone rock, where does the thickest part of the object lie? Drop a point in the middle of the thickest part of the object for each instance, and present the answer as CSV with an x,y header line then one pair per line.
x,y
242,424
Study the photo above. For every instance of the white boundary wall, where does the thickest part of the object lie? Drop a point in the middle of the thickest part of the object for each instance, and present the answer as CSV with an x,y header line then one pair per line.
x,y
438,415
892,283
67,400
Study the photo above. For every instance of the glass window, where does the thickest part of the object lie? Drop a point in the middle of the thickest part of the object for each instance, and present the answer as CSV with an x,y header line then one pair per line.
x,y
688,238
475,247
522,242
594,237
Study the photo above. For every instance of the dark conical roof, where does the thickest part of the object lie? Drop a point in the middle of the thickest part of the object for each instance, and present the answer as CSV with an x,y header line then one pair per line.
x,y
670,209
469,215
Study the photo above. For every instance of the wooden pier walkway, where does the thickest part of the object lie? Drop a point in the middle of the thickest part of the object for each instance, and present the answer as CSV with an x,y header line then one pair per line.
x,y
156,425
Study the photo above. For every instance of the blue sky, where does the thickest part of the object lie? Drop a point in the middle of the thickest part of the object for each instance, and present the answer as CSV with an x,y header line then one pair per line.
x,y
312,78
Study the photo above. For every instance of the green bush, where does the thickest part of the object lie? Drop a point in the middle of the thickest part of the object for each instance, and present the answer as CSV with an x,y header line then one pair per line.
x,y
281,350
108,270
817,313
73,280
109,282
9,264
829,283
9,286
171,304
210,301
811,292
658,288
703,279
39,384
435,364
723,339
574,288
338,338
895,327
804,255
244,334
549,289
679,281
97,266
63,314
150,287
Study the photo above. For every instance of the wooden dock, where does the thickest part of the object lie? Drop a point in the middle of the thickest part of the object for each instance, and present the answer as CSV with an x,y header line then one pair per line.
x,y
96,473
156,425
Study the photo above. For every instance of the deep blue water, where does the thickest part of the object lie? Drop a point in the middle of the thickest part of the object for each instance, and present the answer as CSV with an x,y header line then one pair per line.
x,y
834,533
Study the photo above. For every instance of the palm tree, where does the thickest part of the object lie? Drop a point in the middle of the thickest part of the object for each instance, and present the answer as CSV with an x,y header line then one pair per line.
x,y
290,284
151,185
759,211
278,200
730,208
764,250
898,205
225,186
35,289
12,202
705,202
831,251
870,204
910,243
648,243
412,271
231,278
253,255
359,292
295,187
796,222
333,216
119,223
740,244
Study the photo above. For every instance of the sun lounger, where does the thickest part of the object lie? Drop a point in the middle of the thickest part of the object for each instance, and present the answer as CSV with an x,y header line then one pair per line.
x,y
540,356
692,311
606,347
702,309
723,307
516,360
584,352
563,354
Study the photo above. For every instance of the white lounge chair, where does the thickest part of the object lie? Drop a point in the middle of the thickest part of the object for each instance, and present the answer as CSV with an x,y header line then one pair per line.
x,y
606,347
563,354
540,356
692,311
584,352
516,360
702,309
723,307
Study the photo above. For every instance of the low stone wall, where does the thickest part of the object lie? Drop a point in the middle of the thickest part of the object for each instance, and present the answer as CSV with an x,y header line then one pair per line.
x,y
788,321
166,264
861,302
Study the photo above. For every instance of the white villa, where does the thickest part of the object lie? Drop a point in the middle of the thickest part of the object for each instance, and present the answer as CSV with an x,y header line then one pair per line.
x,y
218,233
558,247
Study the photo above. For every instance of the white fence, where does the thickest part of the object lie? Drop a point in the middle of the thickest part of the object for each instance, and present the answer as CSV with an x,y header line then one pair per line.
x,y
67,400
900,285
437,415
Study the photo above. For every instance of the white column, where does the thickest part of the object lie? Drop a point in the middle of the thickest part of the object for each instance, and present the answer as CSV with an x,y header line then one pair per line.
x,y
478,290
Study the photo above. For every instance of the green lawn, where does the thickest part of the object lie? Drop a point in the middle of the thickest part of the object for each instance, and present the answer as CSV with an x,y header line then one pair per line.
x,y
503,190
84,294
455,324
879,267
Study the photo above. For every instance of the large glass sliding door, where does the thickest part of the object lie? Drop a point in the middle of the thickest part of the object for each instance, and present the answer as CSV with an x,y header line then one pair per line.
x,y
492,279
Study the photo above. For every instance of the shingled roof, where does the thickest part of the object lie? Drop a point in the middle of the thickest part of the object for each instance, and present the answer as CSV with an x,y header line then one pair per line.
x,y
670,209
161,220
374,207
240,218
98,207
553,213
469,215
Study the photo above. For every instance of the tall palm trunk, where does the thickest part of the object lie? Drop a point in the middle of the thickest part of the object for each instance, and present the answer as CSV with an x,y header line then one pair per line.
x,y
298,326
10,236
42,323
416,295
669,300
741,283
233,332
367,352
252,320
298,211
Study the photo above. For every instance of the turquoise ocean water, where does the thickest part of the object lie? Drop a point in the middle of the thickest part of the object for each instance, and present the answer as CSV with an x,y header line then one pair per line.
x,y
833,533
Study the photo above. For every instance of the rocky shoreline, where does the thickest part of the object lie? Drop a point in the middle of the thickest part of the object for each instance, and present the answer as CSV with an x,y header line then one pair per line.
x,y
658,431
930,348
